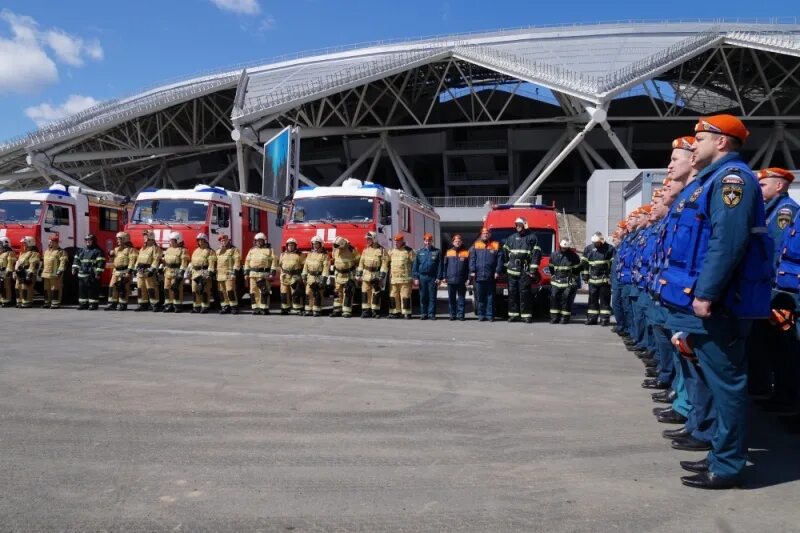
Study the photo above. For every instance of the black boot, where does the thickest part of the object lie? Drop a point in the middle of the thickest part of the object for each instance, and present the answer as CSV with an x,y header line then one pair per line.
x,y
111,307
554,319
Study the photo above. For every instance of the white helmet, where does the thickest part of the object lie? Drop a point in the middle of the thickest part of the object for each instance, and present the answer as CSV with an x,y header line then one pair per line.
x,y
598,237
316,238
521,220
291,240
260,237
565,243
4,241
202,237
28,241
124,237
176,235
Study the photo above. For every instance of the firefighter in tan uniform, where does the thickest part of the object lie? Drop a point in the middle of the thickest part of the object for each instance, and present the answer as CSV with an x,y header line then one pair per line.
x,y
147,263
54,263
371,273
345,262
124,264
175,261
229,262
7,261
401,261
316,265
291,264
202,267
259,267
26,269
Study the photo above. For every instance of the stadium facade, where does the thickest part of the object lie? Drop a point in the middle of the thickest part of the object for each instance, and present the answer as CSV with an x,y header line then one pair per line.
x,y
457,120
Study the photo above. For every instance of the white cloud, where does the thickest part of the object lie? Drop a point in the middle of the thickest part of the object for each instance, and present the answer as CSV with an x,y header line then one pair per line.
x,y
46,112
267,24
25,63
244,7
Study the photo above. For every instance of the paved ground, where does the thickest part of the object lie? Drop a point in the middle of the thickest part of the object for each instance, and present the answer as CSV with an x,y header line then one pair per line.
x,y
139,421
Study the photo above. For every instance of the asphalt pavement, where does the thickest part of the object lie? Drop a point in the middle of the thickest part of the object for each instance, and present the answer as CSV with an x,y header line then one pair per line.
x,y
153,422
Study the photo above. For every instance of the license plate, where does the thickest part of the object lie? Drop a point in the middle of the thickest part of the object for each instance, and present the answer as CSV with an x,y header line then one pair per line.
x,y
505,292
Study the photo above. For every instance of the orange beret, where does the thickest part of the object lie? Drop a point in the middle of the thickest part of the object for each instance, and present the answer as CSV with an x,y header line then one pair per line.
x,y
666,181
645,209
428,236
399,237
621,224
724,125
683,143
658,193
775,172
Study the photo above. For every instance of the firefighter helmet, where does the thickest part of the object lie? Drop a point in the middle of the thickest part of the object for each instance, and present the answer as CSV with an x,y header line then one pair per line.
x,y
90,237
565,243
598,237
260,237
124,237
54,237
176,235
147,235
291,240
316,238
223,237
4,241
28,241
521,221
202,237
371,235
340,241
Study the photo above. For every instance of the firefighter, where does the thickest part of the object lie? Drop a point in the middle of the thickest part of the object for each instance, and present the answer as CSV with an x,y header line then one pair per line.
x,y
596,273
229,262
426,270
401,262
124,264
260,266
564,269
175,262
317,263
345,262
202,267
89,264
25,270
7,261
291,264
372,270
54,264
521,256
147,263
455,274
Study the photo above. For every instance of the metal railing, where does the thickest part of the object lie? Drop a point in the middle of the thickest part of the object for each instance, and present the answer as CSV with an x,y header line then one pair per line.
x,y
470,201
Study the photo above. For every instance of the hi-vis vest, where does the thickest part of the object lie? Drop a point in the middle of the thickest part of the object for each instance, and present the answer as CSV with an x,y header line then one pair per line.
x,y
749,291
788,271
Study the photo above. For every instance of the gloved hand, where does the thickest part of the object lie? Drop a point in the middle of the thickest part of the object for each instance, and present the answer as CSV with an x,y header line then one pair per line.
x,y
535,276
59,272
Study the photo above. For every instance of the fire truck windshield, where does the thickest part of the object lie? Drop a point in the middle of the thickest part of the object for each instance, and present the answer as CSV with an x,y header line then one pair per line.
x,y
20,211
333,209
169,211
544,236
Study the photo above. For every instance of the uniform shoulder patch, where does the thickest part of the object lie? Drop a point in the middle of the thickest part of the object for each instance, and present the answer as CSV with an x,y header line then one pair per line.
x,y
681,205
732,179
696,194
785,216
731,195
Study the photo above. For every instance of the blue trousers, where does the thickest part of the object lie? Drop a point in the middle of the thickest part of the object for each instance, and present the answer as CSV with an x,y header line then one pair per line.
x,y
627,310
484,295
681,404
664,353
722,357
616,304
456,294
702,419
427,296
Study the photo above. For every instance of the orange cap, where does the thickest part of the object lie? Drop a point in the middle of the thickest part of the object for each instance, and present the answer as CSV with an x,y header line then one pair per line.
x,y
621,224
666,181
723,125
775,172
683,143
223,237
486,230
658,193
399,237
645,209
427,236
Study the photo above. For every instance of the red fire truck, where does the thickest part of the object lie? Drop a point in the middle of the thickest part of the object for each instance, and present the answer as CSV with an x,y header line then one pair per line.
x,y
543,222
71,213
355,208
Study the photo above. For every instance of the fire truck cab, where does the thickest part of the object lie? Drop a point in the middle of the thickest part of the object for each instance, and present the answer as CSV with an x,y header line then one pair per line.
x,y
70,212
543,222
204,209
353,209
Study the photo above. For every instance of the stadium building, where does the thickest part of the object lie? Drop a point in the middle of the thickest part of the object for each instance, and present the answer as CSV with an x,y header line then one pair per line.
x,y
459,121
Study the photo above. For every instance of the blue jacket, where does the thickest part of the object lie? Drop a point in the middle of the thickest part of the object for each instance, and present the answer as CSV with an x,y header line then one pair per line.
x,y
788,270
485,260
455,267
780,211
427,263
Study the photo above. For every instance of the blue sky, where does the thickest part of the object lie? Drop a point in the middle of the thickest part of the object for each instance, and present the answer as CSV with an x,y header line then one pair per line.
x,y
57,56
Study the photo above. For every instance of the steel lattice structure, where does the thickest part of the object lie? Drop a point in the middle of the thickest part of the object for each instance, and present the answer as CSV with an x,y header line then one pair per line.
x,y
493,113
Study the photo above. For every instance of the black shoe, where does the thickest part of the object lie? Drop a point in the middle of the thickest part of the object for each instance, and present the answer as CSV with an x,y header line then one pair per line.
x,y
265,311
691,444
123,307
366,314
393,316
204,311
513,319
698,467
671,417
643,354
234,310
83,307
554,320
529,320
710,481
679,433
660,410
177,309
409,317
655,384
423,317
93,307
461,319
627,341
432,317
591,321
649,362
660,398
46,306
346,315
672,396
286,312
650,373
317,313
376,314
452,318
225,310
195,310
111,307
257,312
157,308
605,322
482,319
142,307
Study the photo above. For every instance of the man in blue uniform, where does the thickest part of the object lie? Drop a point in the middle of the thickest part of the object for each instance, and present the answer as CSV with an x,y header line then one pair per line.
x,y
485,266
718,277
455,272
767,365
427,265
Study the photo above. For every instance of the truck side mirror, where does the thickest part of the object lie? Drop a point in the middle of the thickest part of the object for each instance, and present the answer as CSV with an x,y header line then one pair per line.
x,y
386,214
279,220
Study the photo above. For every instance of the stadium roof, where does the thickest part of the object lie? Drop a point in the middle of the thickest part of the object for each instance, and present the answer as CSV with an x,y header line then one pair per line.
x,y
593,64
